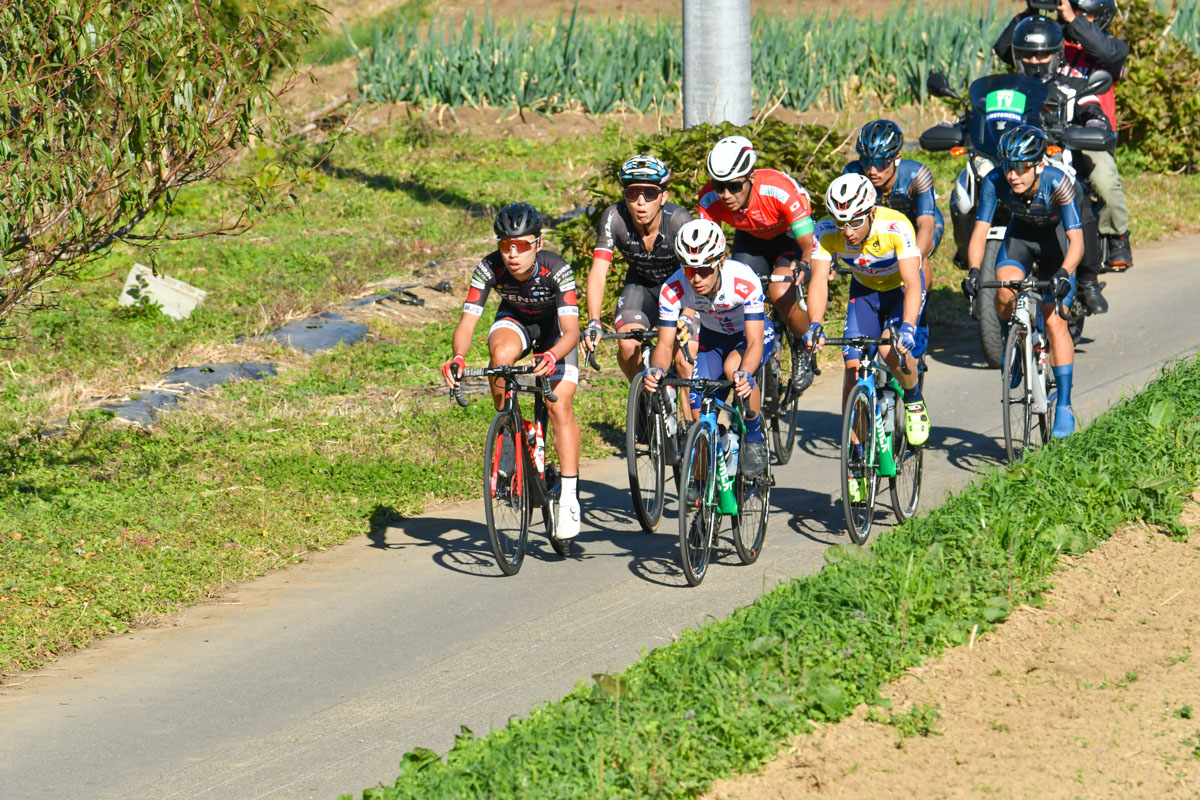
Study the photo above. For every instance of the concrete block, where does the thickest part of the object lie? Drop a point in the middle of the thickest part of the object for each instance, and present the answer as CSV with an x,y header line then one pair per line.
x,y
176,298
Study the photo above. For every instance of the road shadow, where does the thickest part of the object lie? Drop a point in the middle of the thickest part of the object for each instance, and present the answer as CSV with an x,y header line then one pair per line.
x,y
815,515
417,190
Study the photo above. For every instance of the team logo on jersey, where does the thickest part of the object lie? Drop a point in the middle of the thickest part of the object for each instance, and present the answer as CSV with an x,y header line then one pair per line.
x,y
776,192
743,288
673,291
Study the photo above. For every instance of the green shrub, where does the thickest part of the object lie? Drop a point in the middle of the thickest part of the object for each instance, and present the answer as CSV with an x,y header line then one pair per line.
x,y
1158,101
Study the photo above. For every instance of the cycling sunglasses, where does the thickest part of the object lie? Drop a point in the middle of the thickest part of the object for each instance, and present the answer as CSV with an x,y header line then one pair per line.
x,y
651,193
522,245
855,223
733,187
877,163
703,272
1020,167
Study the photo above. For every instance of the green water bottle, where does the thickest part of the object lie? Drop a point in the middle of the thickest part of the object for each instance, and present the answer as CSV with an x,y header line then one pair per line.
x,y
726,499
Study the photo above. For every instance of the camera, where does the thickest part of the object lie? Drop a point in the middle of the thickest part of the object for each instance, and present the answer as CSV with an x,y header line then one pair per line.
x,y
1042,5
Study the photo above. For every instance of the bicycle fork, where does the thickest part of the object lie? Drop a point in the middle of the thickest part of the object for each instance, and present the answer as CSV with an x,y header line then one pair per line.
x,y
1032,360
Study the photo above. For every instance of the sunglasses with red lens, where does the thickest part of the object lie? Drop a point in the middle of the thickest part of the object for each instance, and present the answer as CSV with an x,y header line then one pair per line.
x,y
521,245
733,187
651,193
703,272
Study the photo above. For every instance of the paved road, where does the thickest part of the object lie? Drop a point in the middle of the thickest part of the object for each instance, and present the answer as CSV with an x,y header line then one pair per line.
x,y
314,681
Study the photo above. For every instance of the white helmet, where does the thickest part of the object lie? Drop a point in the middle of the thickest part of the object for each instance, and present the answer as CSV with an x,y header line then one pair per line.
x,y
849,196
732,157
699,243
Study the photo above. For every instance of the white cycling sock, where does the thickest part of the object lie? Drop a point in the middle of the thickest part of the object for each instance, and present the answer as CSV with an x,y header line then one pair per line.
x,y
568,486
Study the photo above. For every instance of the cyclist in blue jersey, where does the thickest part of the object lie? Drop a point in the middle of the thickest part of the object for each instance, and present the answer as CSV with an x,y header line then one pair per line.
x,y
1045,230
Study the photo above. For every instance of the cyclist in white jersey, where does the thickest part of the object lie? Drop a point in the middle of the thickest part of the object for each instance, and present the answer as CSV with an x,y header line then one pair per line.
x,y
734,338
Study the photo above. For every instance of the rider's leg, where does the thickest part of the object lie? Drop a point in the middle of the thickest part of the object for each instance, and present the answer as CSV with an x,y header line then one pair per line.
x,y
1088,274
755,458
1114,213
1062,357
507,341
566,443
637,307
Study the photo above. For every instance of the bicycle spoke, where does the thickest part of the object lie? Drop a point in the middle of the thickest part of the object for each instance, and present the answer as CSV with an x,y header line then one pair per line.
x,y
506,501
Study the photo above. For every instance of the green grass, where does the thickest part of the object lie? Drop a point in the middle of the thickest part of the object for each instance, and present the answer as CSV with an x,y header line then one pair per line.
x,y
722,697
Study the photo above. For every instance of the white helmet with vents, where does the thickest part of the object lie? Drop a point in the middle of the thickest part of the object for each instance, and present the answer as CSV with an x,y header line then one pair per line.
x,y
699,243
732,157
849,196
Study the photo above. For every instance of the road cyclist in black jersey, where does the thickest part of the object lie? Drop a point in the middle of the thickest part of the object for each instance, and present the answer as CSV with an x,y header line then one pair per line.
x,y
642,228
538,314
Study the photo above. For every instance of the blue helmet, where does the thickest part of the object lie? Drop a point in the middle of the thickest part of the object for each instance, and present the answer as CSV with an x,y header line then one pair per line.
x,y
880,141
644,169
1023,143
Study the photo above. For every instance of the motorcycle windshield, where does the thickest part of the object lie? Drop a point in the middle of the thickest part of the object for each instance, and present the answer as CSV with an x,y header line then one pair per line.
x,y
1000,101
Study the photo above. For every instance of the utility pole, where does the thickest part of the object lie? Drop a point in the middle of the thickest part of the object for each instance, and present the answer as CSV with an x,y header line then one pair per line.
x,y
716,62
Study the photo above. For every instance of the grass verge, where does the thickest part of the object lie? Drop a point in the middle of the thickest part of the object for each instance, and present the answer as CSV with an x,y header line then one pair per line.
x,y
722,697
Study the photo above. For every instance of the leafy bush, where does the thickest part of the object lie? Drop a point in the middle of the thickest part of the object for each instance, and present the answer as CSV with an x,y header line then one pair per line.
x,y
812,154
1158,101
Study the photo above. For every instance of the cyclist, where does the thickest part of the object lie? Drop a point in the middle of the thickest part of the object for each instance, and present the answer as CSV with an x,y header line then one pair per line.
x,y
904,185
538,313
887,290
772,218
642,229
734,337
1072,52
1045,230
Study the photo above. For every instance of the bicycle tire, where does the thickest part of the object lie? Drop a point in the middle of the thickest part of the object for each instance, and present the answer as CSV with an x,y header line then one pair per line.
x,y
991,328
697,516
644,457
859,418
754,507
506,511
786,421
1016,400
910,462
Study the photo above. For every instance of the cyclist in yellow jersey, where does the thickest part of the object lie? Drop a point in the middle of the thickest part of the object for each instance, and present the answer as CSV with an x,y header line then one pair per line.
x,y
888,288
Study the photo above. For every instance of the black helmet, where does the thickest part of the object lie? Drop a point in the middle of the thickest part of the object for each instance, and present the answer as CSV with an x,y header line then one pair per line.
x,y
517,219
1101,11
1036,37
880,140
1020,144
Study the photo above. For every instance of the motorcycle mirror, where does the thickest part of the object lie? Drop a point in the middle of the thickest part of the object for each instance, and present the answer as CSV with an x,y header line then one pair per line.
x,y
1099,82
939,86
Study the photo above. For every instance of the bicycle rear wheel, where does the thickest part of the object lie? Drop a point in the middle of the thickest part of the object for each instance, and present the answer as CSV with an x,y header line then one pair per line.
x,y
786,420
644,456
1016,397
505,496
697,504
910,461
754,504
858,465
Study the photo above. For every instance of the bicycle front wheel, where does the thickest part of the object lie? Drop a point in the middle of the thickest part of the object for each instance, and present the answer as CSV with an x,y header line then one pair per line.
x,y
859,482
505,499
644,456
750,524
786,421
697,504
906,486
1016,396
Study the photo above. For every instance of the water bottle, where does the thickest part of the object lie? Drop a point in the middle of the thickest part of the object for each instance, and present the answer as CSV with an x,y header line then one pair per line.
x,y
887,405
730,443
726,501
672,415
537,442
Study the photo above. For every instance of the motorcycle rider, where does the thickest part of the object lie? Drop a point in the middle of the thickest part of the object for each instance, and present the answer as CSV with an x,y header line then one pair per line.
x,y
1088,47
1037,50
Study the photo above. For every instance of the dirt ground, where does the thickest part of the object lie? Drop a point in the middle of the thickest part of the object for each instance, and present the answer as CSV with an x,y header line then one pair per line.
x,y
1095,695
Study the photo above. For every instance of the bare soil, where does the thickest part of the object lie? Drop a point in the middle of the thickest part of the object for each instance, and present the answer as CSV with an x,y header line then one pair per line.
x,y
1095,695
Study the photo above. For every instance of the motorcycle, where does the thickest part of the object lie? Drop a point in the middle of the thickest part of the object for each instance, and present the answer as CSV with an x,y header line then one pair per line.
x,y
995,103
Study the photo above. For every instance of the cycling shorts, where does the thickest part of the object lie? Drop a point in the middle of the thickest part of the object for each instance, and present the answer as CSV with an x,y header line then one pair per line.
x,y
1025,245
715,348
538,336
761,256
871,312
638,305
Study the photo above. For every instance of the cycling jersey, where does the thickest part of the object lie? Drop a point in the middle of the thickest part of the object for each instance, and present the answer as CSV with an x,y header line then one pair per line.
x,y
617,231
549,293
777,204
1052,203
912,192
739,297
876,264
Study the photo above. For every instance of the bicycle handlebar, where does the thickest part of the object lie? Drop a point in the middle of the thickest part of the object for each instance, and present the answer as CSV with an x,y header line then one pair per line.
x,y
708,386
865,342
1027,284
638,334
542,388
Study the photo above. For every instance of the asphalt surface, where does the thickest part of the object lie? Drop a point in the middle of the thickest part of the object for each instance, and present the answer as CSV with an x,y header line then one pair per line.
x,y
315,681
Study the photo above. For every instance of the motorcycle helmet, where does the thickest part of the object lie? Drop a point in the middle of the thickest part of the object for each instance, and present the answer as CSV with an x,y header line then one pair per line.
x,y
1037,37
1102,12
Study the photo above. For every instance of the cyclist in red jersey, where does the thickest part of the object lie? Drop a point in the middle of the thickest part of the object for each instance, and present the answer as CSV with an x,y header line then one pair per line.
x,y
772,218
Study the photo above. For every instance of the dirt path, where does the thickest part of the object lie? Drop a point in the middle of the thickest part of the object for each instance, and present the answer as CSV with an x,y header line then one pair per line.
x,y
1095,695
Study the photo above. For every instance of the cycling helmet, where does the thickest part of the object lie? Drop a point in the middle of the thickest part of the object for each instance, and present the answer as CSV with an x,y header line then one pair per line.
x,y
880,140
1036,37
849,196
1021,143
732,157
699,243
517,219
644,169
1101,11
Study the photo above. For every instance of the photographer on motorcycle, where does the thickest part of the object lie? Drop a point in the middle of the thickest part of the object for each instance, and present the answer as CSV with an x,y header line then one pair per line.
x,y
1037,51
1090,47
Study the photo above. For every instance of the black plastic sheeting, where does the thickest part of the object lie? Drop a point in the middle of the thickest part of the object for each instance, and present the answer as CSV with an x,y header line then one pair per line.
x,y
149,405
322,332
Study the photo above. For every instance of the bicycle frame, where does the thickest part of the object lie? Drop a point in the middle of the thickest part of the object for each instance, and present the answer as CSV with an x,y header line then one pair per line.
x,y
710,407
873,374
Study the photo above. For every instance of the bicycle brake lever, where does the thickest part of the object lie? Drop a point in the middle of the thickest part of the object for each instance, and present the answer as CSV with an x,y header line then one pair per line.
x,y
591,360
545,384
456,393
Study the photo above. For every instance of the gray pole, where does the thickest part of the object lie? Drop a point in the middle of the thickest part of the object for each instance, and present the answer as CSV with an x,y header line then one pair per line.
x,y
716,62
